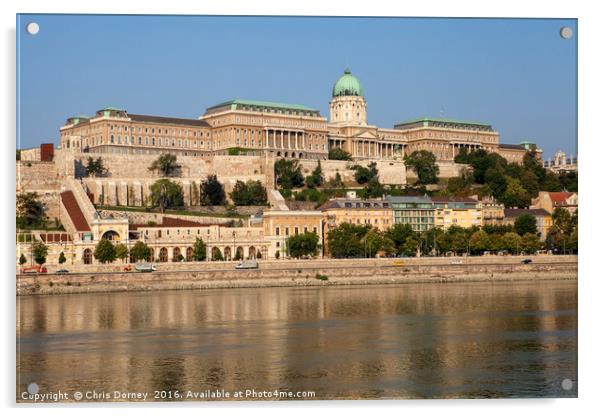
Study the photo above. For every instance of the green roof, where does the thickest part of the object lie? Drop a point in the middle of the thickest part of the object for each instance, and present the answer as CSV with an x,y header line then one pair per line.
x,y
347,85
443,120
257,103
111,109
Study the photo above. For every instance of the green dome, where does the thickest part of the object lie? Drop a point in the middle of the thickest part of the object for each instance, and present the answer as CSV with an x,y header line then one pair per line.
x,y
347,85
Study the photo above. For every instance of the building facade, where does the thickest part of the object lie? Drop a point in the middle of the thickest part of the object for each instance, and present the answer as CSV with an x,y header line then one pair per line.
x,y
552,200
282,130
417,211
457,211
543,219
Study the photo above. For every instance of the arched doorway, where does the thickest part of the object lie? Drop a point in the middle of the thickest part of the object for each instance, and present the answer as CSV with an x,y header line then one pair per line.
x,y
227,253
111,235
87,256
189,254
293,154
163,254
176,254
240,253
252,252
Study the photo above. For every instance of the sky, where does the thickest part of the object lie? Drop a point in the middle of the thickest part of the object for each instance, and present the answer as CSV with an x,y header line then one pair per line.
x,y
519,75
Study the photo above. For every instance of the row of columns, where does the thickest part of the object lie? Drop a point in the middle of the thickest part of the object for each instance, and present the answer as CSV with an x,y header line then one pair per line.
x,y
276,139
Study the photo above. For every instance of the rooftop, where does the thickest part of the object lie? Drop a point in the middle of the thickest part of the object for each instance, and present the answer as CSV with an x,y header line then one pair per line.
x,y
168,120
425,121
259,105
515,212
338,203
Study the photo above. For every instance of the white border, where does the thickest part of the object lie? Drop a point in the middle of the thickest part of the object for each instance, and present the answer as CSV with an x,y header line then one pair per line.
x,y
590,154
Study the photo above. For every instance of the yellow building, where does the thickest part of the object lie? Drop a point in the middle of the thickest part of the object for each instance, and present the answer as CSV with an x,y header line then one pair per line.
x,y
278,225
457,211
493,211
374,212
543,219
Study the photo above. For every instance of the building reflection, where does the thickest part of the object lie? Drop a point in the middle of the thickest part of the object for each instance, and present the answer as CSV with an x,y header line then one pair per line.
x,y
423,340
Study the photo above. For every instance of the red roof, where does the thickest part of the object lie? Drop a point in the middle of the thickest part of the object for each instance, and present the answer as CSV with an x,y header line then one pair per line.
x,y
560,196
173,222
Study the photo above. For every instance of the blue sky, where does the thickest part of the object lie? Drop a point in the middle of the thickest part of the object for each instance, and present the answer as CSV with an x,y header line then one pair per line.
x,y
518,75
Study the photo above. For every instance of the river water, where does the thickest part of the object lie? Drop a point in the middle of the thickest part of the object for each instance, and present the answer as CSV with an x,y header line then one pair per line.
x,y
470,340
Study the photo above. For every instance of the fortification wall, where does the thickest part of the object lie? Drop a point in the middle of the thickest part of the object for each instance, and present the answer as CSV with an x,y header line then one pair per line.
x,y
391,172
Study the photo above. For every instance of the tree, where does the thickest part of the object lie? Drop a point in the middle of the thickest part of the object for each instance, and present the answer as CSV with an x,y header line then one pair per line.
x,y
497,182
288,174
530,183
373,189
377,242
316,179
237,256
515,195
346,240
461,184
62,258
140,251
336,182
511,242
212,191
22,259
40,251
423,163
365,174
337,153
166,194
458,239
303,245
166,164
525,223
30,211
249,193
479,242
563,220
104,251
399,233
217,255
410,246
530,243
199,250
121,251
95,168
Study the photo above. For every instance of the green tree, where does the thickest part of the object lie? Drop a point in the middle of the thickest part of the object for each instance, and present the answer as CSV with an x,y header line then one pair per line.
x,y
22,259
30,211
532,163
423,163
373,189
479,242
495,242
511,242
40,252
530,243
399,233
18,154
410,246
458,239
346,240
337,153
525,223
104,251
515,195
365,174
140,251
199,250
569,181
377,243
563,220
121,251
212,192
288,174
249,193
303,245
336,182
166,194
62,258
166,164
530,183
95,167
217,255
497,182
316,179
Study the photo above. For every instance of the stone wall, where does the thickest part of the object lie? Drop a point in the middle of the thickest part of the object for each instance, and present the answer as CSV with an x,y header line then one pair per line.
x,y
36,176
391,172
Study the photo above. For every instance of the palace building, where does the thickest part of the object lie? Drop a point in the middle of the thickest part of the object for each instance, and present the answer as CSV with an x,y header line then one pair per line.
x,y
282,130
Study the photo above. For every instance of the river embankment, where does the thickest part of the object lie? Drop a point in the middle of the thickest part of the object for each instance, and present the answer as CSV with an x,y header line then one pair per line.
x,y
319,272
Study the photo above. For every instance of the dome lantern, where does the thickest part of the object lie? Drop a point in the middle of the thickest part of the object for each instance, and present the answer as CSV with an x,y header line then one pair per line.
x,y
347,85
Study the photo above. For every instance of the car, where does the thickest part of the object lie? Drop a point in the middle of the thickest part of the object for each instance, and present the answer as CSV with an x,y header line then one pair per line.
x,y
526,261
399,263
457,262
34,270
62,271
248,264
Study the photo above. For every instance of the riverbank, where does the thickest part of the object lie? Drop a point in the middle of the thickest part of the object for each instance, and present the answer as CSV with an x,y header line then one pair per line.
x,y
307,273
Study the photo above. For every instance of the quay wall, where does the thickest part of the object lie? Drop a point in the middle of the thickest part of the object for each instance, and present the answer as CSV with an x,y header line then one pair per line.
x,y
306,274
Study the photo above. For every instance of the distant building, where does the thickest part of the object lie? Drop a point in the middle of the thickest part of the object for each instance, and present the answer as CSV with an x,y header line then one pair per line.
x,y
280,225
493,211
374,212
417,211
458,211
552,200
561,163
542,217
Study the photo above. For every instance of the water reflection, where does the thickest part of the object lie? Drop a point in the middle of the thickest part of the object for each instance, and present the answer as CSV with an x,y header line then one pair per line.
x,y
406,341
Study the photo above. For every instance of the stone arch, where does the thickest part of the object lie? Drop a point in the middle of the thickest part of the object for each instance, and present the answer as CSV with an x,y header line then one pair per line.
x,y
227,253
293,154
285,154
252,252
279,154
152,254
163,255
175,253
188,253
241,252
87,257
111,235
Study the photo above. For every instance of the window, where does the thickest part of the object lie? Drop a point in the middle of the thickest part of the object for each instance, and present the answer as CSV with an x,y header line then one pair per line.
x,y
277,230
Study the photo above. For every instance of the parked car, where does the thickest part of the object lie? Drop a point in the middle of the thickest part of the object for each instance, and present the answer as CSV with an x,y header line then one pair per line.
x,y
248,264
62,271
457,262
527,261
34,270
145,267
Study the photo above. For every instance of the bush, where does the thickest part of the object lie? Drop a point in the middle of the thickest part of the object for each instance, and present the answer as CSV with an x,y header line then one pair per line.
x,y
321,277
